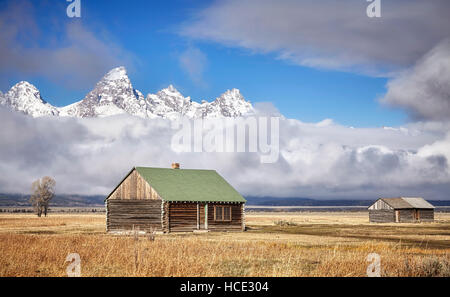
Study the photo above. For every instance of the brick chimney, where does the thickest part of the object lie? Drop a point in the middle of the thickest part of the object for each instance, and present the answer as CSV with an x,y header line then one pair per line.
x,y
175,165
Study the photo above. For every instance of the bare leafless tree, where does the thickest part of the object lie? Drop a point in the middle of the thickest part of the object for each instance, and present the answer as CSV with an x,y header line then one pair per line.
x,y
42,191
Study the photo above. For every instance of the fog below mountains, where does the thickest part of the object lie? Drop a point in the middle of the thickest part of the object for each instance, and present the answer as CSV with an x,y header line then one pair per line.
x,y
317,160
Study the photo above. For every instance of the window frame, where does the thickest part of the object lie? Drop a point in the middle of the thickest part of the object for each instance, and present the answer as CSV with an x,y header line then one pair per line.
x,y
222,211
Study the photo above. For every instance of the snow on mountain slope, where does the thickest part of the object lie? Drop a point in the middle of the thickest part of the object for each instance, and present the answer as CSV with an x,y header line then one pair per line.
x,y
229,104
26,98
114,94
169,103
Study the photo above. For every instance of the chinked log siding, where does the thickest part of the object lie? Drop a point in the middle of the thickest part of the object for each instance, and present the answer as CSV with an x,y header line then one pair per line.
x,y
416,215
183,217
381,216
426,215
126,214
406,215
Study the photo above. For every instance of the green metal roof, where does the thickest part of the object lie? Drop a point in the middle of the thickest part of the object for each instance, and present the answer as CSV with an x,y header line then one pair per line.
x,y
190,185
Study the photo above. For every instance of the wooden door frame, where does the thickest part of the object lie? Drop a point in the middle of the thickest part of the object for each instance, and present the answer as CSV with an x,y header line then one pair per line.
x,y
206,216
198,216
416,215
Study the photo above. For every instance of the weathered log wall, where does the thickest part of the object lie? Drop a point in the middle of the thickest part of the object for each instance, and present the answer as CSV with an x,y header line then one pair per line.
x,y
124,214
182,217
426,215
381,216
404,215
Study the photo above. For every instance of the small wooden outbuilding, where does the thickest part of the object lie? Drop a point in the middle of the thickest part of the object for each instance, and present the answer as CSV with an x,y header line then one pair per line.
x,y
174,200
400,210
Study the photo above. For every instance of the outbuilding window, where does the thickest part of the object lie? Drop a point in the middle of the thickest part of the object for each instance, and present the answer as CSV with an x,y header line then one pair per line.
x,y
222,213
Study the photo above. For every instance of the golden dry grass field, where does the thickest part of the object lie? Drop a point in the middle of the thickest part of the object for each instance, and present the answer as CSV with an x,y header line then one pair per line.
x,y
276,244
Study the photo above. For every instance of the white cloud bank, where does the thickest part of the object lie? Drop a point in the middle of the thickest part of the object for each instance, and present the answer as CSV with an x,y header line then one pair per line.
x,y
424,90
90,156
327,33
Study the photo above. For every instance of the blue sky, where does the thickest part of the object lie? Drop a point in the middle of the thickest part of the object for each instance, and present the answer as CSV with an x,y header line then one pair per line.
x,y
148,35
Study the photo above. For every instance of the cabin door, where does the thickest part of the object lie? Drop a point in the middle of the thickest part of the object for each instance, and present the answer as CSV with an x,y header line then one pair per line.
x,y
397,217
201,214
416,215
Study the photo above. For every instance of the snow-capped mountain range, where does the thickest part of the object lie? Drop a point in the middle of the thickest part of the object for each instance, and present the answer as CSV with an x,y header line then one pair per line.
x,y
114,94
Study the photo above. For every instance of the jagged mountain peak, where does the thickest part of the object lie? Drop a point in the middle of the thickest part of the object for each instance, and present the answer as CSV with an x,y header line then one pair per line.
x,y
233,91
114,94
117,73
116,78
24,84
171,91
24,91
26,98
24,88
171,88
229,104
233,94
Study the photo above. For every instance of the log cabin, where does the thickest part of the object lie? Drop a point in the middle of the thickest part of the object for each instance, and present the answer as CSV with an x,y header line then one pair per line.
x,y
174,200
401,210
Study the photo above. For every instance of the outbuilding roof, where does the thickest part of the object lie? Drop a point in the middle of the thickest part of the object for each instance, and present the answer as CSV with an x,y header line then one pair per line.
x,y
194,185
408,202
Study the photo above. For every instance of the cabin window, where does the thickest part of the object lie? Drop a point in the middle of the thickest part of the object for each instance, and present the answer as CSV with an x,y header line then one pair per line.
x,y
222,213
